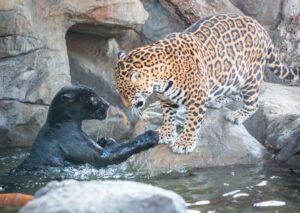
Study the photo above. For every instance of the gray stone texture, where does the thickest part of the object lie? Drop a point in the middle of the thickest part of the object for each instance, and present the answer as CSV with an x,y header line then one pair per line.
x,y
105,197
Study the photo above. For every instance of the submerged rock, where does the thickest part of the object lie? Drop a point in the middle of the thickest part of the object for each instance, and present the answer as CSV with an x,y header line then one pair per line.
x,y
104,197
220,143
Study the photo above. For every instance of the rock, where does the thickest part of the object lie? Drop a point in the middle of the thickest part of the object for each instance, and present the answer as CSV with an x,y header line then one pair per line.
x,y
288,36
116,126
91,64
294,161
191,11
283,137
13,45
220,143
267,12
32,77
160,22
22,127
105,197
274,100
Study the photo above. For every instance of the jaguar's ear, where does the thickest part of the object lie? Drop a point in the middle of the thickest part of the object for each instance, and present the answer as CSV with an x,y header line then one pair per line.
x,y
121,55
135,76
68,98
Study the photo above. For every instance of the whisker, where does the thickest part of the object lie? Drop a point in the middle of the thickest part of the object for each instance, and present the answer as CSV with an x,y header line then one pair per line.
x,y
139,113
105,126
136,112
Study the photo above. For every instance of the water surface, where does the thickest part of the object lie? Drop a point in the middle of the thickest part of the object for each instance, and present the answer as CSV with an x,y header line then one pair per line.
x,y
224,189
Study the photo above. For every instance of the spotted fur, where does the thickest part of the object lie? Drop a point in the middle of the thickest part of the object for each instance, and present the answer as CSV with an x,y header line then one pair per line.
x,y
216,57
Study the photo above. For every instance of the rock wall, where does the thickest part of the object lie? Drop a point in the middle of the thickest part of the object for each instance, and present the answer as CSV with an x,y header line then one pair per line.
x,y
34,63
46,44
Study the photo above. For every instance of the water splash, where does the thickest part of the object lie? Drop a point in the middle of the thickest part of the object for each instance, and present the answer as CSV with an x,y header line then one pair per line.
x,y
105,125
270,203
198,203
231,193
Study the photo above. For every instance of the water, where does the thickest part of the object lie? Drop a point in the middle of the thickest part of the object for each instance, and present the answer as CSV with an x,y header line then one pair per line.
x,y
225,189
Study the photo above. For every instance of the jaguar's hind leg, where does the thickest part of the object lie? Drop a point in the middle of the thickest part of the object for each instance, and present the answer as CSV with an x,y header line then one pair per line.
x,y
250,98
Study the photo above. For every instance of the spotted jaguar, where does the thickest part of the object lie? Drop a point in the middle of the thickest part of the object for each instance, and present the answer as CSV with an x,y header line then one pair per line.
x,y
218,57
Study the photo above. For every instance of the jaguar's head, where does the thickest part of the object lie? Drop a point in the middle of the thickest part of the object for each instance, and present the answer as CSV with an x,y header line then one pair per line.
x,y
136,75
77,103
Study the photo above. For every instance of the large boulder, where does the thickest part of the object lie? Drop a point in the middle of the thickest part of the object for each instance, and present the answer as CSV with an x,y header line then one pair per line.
x,y
220,143
104,196
267,12
190,11
160,22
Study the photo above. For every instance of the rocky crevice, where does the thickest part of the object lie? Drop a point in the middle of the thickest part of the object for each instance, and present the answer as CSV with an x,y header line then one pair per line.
x,y
38,103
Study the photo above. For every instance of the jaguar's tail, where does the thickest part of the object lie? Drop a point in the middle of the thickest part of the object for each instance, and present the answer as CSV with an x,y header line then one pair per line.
x,y
279,68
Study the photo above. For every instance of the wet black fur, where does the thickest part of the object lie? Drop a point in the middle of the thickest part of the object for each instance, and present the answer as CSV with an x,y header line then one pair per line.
x,y
61,142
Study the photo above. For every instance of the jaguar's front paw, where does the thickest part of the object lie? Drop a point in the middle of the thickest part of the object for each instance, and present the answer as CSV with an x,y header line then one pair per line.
x,y
183,146
166,137
235,117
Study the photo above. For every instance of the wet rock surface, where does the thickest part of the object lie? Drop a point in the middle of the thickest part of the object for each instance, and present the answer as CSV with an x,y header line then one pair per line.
x,y
283,138
104,196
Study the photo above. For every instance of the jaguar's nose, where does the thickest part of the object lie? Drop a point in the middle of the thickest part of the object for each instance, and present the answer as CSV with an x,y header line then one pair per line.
x,y
103,104
139,104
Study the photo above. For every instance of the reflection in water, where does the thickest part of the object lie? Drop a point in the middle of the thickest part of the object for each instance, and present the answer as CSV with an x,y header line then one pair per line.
x,y
259,188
